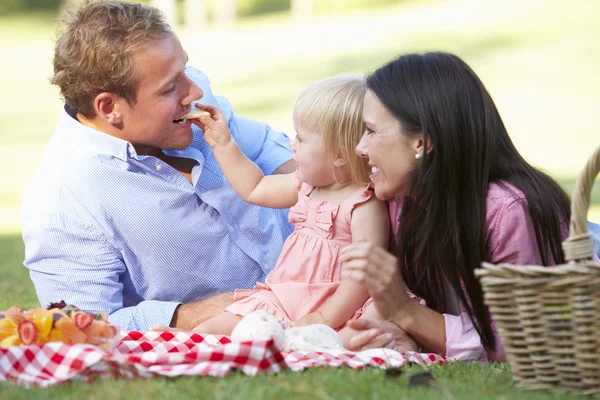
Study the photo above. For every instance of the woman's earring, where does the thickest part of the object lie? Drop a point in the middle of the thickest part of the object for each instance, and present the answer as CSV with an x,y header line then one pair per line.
x,y
418,156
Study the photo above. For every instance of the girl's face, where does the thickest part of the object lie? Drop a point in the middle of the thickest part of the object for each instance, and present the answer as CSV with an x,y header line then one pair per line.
x,y
391,154
314,165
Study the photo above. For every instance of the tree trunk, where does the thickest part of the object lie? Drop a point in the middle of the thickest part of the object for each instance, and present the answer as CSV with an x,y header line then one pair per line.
x,y
169,9
301,9
195,14
224,12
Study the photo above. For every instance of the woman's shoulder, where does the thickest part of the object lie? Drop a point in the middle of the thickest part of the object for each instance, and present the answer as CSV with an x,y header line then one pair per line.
x,y
503,197
501,193
511,236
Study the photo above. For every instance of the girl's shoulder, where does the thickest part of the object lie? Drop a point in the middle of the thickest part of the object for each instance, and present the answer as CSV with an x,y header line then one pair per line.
x,y
359,194
364,198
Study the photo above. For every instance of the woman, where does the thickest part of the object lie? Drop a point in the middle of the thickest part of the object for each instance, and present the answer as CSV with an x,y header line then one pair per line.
x,y
436,144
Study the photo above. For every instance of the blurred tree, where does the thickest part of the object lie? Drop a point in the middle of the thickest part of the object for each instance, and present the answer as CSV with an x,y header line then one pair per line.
x,y
66,5
168,7
225,12
301,9
195,13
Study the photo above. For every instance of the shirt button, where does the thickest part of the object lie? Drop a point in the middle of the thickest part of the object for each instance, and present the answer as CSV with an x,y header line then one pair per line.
x,y
158,167
131,150
266,266
230,228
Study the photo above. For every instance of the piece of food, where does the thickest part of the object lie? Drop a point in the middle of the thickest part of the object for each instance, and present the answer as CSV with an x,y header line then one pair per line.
x,y
82,319
60,323
27,332
196,114
70,331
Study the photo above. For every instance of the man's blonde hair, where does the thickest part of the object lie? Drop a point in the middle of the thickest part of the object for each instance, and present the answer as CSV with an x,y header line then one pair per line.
x,y
333,107
95,52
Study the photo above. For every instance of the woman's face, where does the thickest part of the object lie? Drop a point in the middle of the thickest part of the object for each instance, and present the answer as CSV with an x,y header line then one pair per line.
x,y
391,154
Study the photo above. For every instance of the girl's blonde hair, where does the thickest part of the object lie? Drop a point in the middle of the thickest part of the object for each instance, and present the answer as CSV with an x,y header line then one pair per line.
x,y
333,107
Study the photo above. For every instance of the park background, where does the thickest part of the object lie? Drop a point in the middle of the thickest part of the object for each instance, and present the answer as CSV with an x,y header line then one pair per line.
x,y
538,58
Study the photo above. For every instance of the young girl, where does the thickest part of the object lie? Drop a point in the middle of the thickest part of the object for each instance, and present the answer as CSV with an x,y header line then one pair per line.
x,y
331,203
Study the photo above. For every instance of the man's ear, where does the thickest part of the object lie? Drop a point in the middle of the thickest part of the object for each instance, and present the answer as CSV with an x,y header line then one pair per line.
x,y
108,107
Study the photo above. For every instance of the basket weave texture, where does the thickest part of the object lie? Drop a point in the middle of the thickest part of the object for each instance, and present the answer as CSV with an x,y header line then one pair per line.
x,y
549,317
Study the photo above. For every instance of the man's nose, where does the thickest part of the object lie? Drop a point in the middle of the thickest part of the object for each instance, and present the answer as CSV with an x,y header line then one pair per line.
x,y
194,93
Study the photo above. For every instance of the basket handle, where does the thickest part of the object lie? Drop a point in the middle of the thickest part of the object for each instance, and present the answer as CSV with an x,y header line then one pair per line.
x,y
580,244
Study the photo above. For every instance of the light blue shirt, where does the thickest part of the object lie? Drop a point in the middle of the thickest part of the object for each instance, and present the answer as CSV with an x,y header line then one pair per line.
x,y
108,229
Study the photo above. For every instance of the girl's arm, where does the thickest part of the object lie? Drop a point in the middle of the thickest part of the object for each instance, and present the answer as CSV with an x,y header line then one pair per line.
x,y
370,221
249,182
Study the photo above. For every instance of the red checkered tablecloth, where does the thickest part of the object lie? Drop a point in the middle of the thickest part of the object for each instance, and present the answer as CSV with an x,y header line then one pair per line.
x,y
148,354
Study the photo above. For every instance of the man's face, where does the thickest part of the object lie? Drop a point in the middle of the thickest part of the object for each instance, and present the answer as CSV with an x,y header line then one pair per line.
x,y
164,93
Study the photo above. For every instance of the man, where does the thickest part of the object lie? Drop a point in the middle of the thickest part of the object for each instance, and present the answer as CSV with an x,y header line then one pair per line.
x,y
129,211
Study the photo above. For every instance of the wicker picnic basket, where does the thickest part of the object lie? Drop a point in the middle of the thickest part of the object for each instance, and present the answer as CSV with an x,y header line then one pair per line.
x,y
549,317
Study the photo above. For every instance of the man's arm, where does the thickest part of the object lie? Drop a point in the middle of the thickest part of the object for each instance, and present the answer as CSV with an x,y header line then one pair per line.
x,y
187,316
72,262
286,168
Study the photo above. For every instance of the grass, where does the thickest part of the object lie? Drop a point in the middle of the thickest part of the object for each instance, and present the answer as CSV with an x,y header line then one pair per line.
x,y
539,59
455,381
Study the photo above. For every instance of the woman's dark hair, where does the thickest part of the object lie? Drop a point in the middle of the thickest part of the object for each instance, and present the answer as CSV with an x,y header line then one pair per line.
x,y
442,227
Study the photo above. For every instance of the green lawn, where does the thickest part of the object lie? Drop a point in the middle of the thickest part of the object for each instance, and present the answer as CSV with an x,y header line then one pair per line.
x,y
539,59
455,381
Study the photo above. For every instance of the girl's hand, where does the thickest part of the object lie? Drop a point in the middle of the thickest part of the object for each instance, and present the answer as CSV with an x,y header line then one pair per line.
x,y
378,270
216,130
378,334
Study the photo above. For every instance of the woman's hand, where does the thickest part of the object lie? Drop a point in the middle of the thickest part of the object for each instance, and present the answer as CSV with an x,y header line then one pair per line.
x,y
216,130
378,270
378,334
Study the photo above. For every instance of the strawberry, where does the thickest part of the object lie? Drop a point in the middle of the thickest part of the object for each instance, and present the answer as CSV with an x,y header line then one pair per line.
x,y
82,319
27,332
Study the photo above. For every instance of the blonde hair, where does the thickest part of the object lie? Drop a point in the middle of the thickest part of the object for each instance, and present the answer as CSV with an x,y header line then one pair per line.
x,y
95,52
333,107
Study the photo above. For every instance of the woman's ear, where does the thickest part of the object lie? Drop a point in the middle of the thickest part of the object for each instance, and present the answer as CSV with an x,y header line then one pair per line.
x,y
108,108
420,144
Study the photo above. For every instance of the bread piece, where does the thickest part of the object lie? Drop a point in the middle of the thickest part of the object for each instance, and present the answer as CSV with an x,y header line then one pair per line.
x,y
196,114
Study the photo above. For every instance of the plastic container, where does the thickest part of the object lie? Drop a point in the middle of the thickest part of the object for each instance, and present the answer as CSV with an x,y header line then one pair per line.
x,y
68,325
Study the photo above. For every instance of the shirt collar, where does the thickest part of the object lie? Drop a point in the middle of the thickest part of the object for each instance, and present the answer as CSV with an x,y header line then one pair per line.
x,y
96,141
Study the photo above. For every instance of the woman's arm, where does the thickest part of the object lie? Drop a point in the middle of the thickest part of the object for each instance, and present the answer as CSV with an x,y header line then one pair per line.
x,y
512,240
249,182
378,269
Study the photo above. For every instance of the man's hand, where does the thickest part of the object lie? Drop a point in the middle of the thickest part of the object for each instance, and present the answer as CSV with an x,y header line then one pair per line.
x,y
187,316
